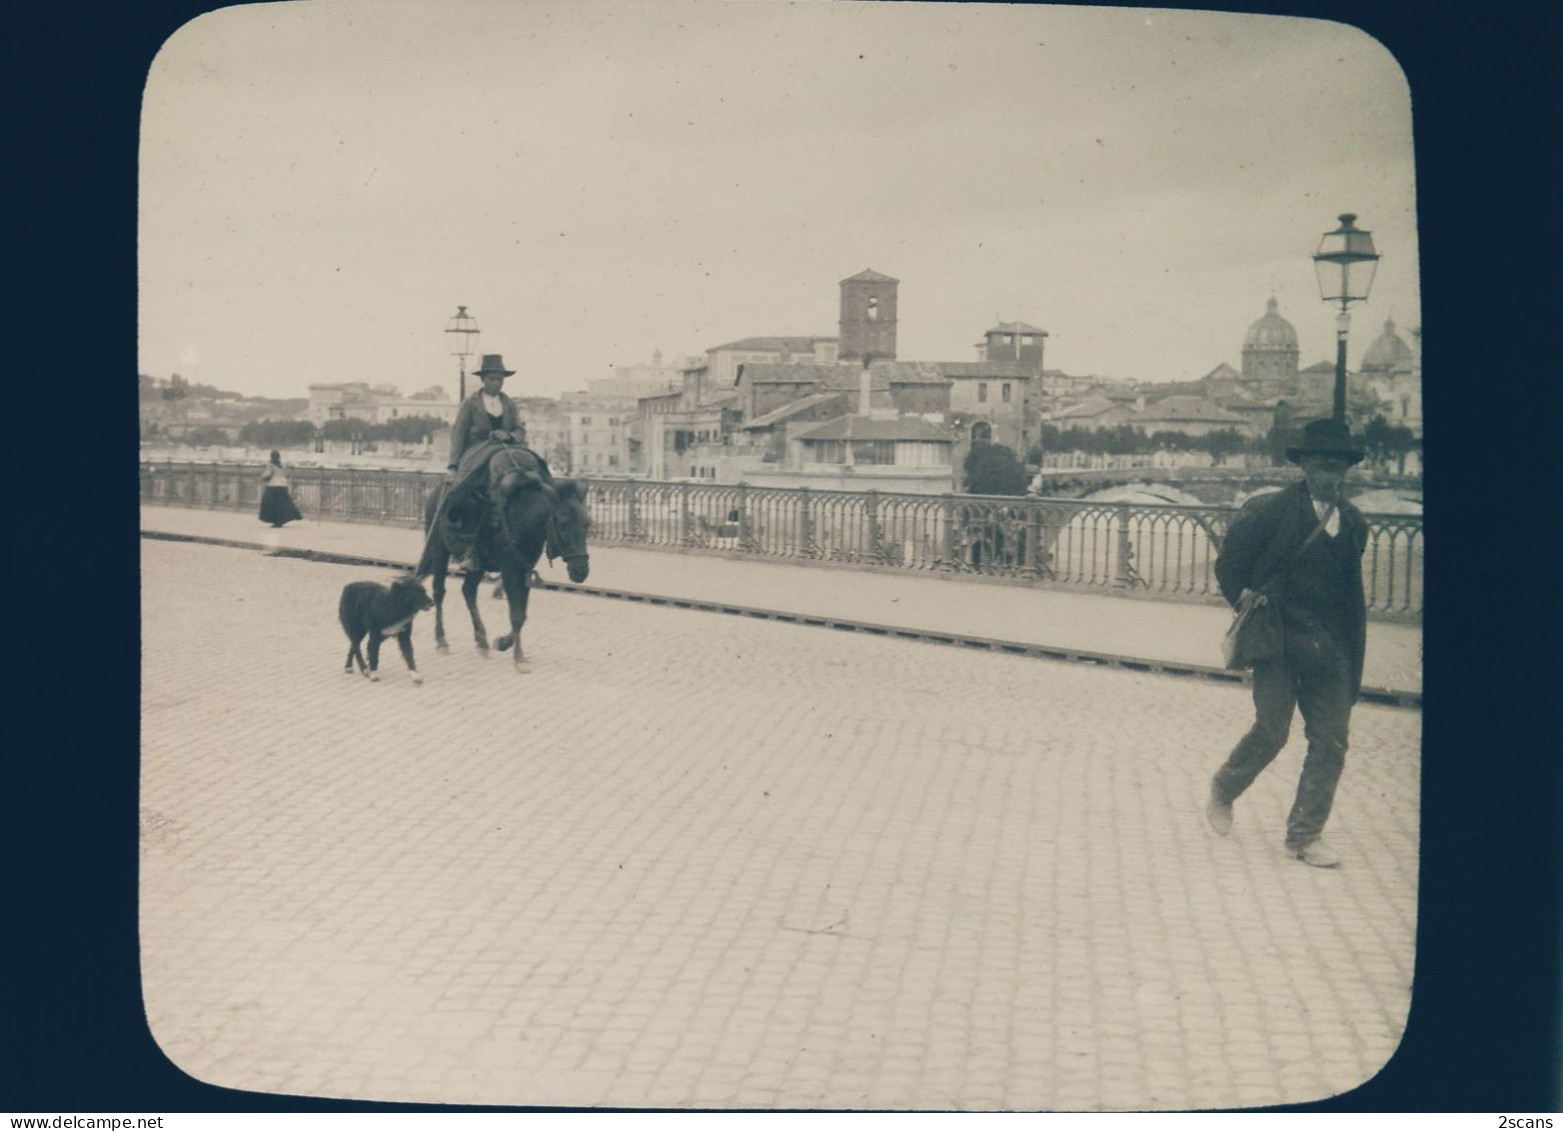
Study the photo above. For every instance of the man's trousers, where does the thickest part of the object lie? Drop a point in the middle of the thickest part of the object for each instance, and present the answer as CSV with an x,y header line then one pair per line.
x,y
1312,675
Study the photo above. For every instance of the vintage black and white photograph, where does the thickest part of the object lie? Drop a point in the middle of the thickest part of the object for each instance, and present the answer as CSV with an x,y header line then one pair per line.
x,y
779,556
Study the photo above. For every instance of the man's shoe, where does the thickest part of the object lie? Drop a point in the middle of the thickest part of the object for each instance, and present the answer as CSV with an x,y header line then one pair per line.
x,y
1315,854
1218,813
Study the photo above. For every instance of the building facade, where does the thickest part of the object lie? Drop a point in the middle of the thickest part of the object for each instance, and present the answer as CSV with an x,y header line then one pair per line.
x,y
1270,352
1391,369
868,317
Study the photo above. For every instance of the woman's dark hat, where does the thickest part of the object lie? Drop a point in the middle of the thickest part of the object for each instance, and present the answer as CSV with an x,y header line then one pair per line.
x,y
493,363
1329,438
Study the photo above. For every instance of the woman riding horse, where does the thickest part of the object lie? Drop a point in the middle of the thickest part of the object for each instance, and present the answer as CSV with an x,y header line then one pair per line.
x,y
486,422
530,517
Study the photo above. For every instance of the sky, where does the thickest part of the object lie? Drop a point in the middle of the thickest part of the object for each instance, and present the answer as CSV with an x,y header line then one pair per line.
x,y
323,182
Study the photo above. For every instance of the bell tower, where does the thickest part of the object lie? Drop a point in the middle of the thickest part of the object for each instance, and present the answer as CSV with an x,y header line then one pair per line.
x,y
868,317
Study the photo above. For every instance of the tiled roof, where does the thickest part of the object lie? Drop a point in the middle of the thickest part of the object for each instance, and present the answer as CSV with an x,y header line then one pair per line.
x,y
1091,406
871,428
1017,328
1007,370
787,411
870,276
777,345
781,373
881,375
1120,393
1193,409
887,373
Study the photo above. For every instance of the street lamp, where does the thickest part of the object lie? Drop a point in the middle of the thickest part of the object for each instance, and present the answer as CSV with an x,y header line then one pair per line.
x,y
1345,263
465,327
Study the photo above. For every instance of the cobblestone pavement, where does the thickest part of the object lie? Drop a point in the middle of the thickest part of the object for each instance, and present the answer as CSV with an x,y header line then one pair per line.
x,y
1144,628
726,863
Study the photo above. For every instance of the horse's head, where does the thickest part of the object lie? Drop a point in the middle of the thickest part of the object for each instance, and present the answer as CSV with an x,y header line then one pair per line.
x,y
568,528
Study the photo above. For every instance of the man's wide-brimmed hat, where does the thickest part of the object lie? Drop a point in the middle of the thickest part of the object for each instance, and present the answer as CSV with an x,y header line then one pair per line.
x,y
1329,438
493,363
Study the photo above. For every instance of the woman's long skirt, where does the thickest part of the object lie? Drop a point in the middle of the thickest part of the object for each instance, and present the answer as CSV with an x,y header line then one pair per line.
x,y
277,506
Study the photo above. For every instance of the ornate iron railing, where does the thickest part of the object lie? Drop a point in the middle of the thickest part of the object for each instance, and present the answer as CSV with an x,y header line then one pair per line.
x,y
1157,551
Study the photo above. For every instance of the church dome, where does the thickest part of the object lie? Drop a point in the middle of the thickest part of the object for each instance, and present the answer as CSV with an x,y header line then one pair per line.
x,y
1388,351
1272,332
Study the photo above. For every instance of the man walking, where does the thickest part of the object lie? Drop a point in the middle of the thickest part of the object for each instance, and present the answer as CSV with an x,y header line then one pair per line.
x,y
1317,580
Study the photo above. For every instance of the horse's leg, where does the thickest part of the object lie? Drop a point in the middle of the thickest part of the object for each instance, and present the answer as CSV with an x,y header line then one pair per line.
x,y
374,656
469,591
439,610
352,654
517,592
404,641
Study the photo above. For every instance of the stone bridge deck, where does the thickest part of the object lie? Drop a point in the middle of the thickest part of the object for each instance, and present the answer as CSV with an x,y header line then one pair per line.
x,y
716,862
1136,626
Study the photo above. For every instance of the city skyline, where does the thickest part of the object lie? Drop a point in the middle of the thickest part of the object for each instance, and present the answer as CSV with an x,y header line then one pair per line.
x,y
322,185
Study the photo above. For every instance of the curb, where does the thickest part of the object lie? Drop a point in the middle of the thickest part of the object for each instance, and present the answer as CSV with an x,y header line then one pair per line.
x,y
1381,695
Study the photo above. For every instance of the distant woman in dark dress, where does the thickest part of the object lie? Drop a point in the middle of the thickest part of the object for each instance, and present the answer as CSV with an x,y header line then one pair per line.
x,y
276,504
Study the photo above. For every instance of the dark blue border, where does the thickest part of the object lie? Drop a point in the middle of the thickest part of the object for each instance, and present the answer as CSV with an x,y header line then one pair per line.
x,y
1484,1030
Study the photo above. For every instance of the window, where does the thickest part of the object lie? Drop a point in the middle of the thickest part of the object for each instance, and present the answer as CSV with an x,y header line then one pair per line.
x,y
1005,391
585,420
982,391
873,451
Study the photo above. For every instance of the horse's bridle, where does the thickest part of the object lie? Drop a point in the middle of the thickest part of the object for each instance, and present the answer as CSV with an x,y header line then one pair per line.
x,y
551,539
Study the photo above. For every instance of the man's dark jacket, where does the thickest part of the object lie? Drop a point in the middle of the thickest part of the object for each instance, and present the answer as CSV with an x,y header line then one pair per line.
x,y
1264,539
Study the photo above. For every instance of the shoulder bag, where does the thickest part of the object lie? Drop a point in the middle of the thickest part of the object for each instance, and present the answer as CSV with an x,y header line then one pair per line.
x,y
1256,632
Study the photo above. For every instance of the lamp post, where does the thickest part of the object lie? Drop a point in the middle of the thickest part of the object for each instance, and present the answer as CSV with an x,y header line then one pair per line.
x,y
1345,263
465,327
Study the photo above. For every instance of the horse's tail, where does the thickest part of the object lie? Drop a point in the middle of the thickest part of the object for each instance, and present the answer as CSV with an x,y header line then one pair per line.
x,y
432,506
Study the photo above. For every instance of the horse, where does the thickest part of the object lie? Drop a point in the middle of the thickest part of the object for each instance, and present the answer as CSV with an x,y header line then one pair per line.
x,y
526,516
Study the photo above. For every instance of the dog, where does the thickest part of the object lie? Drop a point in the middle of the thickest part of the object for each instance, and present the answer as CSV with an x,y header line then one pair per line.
x,y
370,609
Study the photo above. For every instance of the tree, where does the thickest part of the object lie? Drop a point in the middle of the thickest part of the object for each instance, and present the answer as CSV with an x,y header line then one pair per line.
x,y
342,428
407,429
1223,442
207,435
1279,438
277,434
1385,442
993,469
